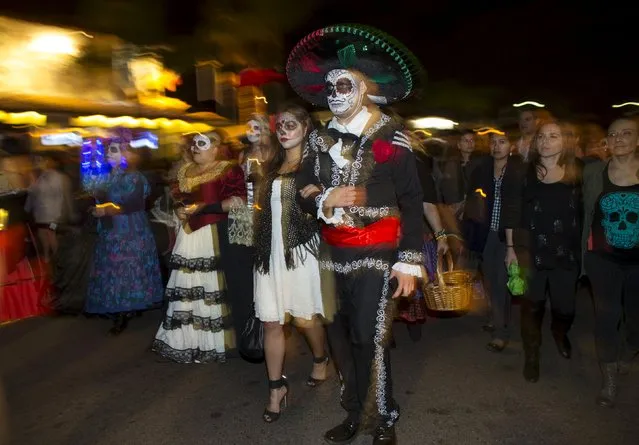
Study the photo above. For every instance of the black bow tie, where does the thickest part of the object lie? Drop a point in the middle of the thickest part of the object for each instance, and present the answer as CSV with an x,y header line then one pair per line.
x,y
347,138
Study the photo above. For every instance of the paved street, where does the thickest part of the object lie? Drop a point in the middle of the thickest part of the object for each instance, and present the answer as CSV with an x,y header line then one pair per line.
x,y
69,384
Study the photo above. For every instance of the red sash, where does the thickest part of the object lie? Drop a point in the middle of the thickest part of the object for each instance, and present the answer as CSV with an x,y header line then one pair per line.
x,y
384,231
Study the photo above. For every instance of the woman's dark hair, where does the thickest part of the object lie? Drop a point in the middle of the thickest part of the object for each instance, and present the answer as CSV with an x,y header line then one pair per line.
x,y
569,149
304,118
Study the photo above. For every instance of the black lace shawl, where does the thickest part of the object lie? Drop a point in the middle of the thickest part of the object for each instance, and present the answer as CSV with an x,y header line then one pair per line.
x,y
300,229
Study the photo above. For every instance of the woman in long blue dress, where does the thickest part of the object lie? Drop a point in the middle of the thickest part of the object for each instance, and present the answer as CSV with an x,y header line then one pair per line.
x,y
125,277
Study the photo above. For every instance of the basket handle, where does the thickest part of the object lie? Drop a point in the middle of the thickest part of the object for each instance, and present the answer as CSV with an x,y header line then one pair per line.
x,y
449,261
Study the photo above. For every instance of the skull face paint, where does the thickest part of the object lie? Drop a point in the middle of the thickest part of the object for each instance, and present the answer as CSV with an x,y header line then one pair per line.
x,y
344,92
201,142
253,131
114,154
621,219
290,131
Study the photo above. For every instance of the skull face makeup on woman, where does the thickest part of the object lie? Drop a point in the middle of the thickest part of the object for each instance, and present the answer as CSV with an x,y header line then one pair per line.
x,y
114,154
290,131
203,147
345,92
253,131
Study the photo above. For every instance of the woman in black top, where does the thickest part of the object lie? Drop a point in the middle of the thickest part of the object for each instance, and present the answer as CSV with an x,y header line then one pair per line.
x,y
611,244
483,227
542,225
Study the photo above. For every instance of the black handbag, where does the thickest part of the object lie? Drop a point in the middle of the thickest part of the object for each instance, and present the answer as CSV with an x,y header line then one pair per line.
x,y
252,340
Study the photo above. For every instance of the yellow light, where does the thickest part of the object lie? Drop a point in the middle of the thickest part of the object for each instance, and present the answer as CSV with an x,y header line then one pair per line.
x,y
487,130
424,132
107,204
54,44
261,98
625,104
254,160
481,193
25,118
4,218
162,123
529,102
438,123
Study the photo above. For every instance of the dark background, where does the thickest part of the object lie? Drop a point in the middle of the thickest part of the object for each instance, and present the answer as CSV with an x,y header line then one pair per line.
x,y
580,56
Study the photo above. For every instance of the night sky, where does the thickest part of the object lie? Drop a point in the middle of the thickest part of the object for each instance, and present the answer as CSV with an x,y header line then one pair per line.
x,y
582,52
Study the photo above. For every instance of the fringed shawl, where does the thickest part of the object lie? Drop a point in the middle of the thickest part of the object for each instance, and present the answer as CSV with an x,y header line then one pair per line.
x,y
300,230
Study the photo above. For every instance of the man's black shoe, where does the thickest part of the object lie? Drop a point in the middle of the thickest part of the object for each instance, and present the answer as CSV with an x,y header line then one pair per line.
x,y
343,433
385,435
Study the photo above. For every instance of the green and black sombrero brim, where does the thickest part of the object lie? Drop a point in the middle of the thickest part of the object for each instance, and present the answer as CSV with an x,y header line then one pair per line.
x,y
382,59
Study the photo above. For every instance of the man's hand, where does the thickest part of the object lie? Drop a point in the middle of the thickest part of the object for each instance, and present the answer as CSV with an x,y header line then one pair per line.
x,y
405,284
346,196
310,190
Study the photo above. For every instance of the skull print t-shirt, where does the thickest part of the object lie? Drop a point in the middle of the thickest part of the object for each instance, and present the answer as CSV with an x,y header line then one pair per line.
x,y
615,227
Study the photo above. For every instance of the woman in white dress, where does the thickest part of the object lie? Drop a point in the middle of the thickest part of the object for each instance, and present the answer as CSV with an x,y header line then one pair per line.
x,y
194,329
287,275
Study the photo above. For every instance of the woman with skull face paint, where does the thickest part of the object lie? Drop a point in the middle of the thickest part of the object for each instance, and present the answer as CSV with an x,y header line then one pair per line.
x,y
610,240
542,216
126,272
287,275
194,329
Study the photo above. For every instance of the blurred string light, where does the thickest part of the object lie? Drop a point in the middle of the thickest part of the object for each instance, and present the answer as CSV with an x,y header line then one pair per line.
x,y
168,125
423,133
437,123
261,98
625,104
488,130
69,139
147,139
529,102
24,118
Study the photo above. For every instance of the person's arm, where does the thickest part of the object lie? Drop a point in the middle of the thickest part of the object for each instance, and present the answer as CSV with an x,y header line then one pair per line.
x,y
234,189
307,197
512,208
410,200
431,213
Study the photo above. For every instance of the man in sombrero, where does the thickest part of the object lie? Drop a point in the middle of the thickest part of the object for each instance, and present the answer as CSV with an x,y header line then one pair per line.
x,y
370,207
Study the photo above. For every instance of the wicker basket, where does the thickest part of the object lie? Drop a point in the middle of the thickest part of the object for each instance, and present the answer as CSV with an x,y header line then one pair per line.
x,y
451,290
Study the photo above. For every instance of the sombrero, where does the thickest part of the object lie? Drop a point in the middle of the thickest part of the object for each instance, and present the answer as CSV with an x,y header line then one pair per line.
x,y
382,59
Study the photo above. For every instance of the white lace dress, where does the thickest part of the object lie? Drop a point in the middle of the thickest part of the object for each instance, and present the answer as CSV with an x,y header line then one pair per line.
x,y
284,293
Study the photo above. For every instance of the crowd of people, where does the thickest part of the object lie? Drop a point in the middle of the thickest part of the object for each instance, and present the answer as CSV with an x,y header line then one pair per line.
x,y
336,228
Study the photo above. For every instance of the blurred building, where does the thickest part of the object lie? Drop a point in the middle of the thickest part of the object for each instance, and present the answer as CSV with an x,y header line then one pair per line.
x,y
57,84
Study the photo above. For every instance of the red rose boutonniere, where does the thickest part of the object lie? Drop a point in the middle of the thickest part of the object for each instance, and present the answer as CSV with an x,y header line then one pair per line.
x,y
382,151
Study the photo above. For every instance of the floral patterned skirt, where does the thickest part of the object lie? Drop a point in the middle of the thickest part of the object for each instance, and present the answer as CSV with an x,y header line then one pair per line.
x,y
126,271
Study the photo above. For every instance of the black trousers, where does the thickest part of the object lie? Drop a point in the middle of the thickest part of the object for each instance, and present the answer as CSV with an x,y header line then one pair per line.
x,y
558,284
360,333
237,262
561,286
615,288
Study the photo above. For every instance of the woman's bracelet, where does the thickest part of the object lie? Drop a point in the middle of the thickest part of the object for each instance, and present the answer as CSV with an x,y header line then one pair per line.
x,y
440,234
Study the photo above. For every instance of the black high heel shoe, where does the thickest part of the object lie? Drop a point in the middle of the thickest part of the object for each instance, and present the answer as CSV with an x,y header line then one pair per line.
x,y
312,381
270,416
